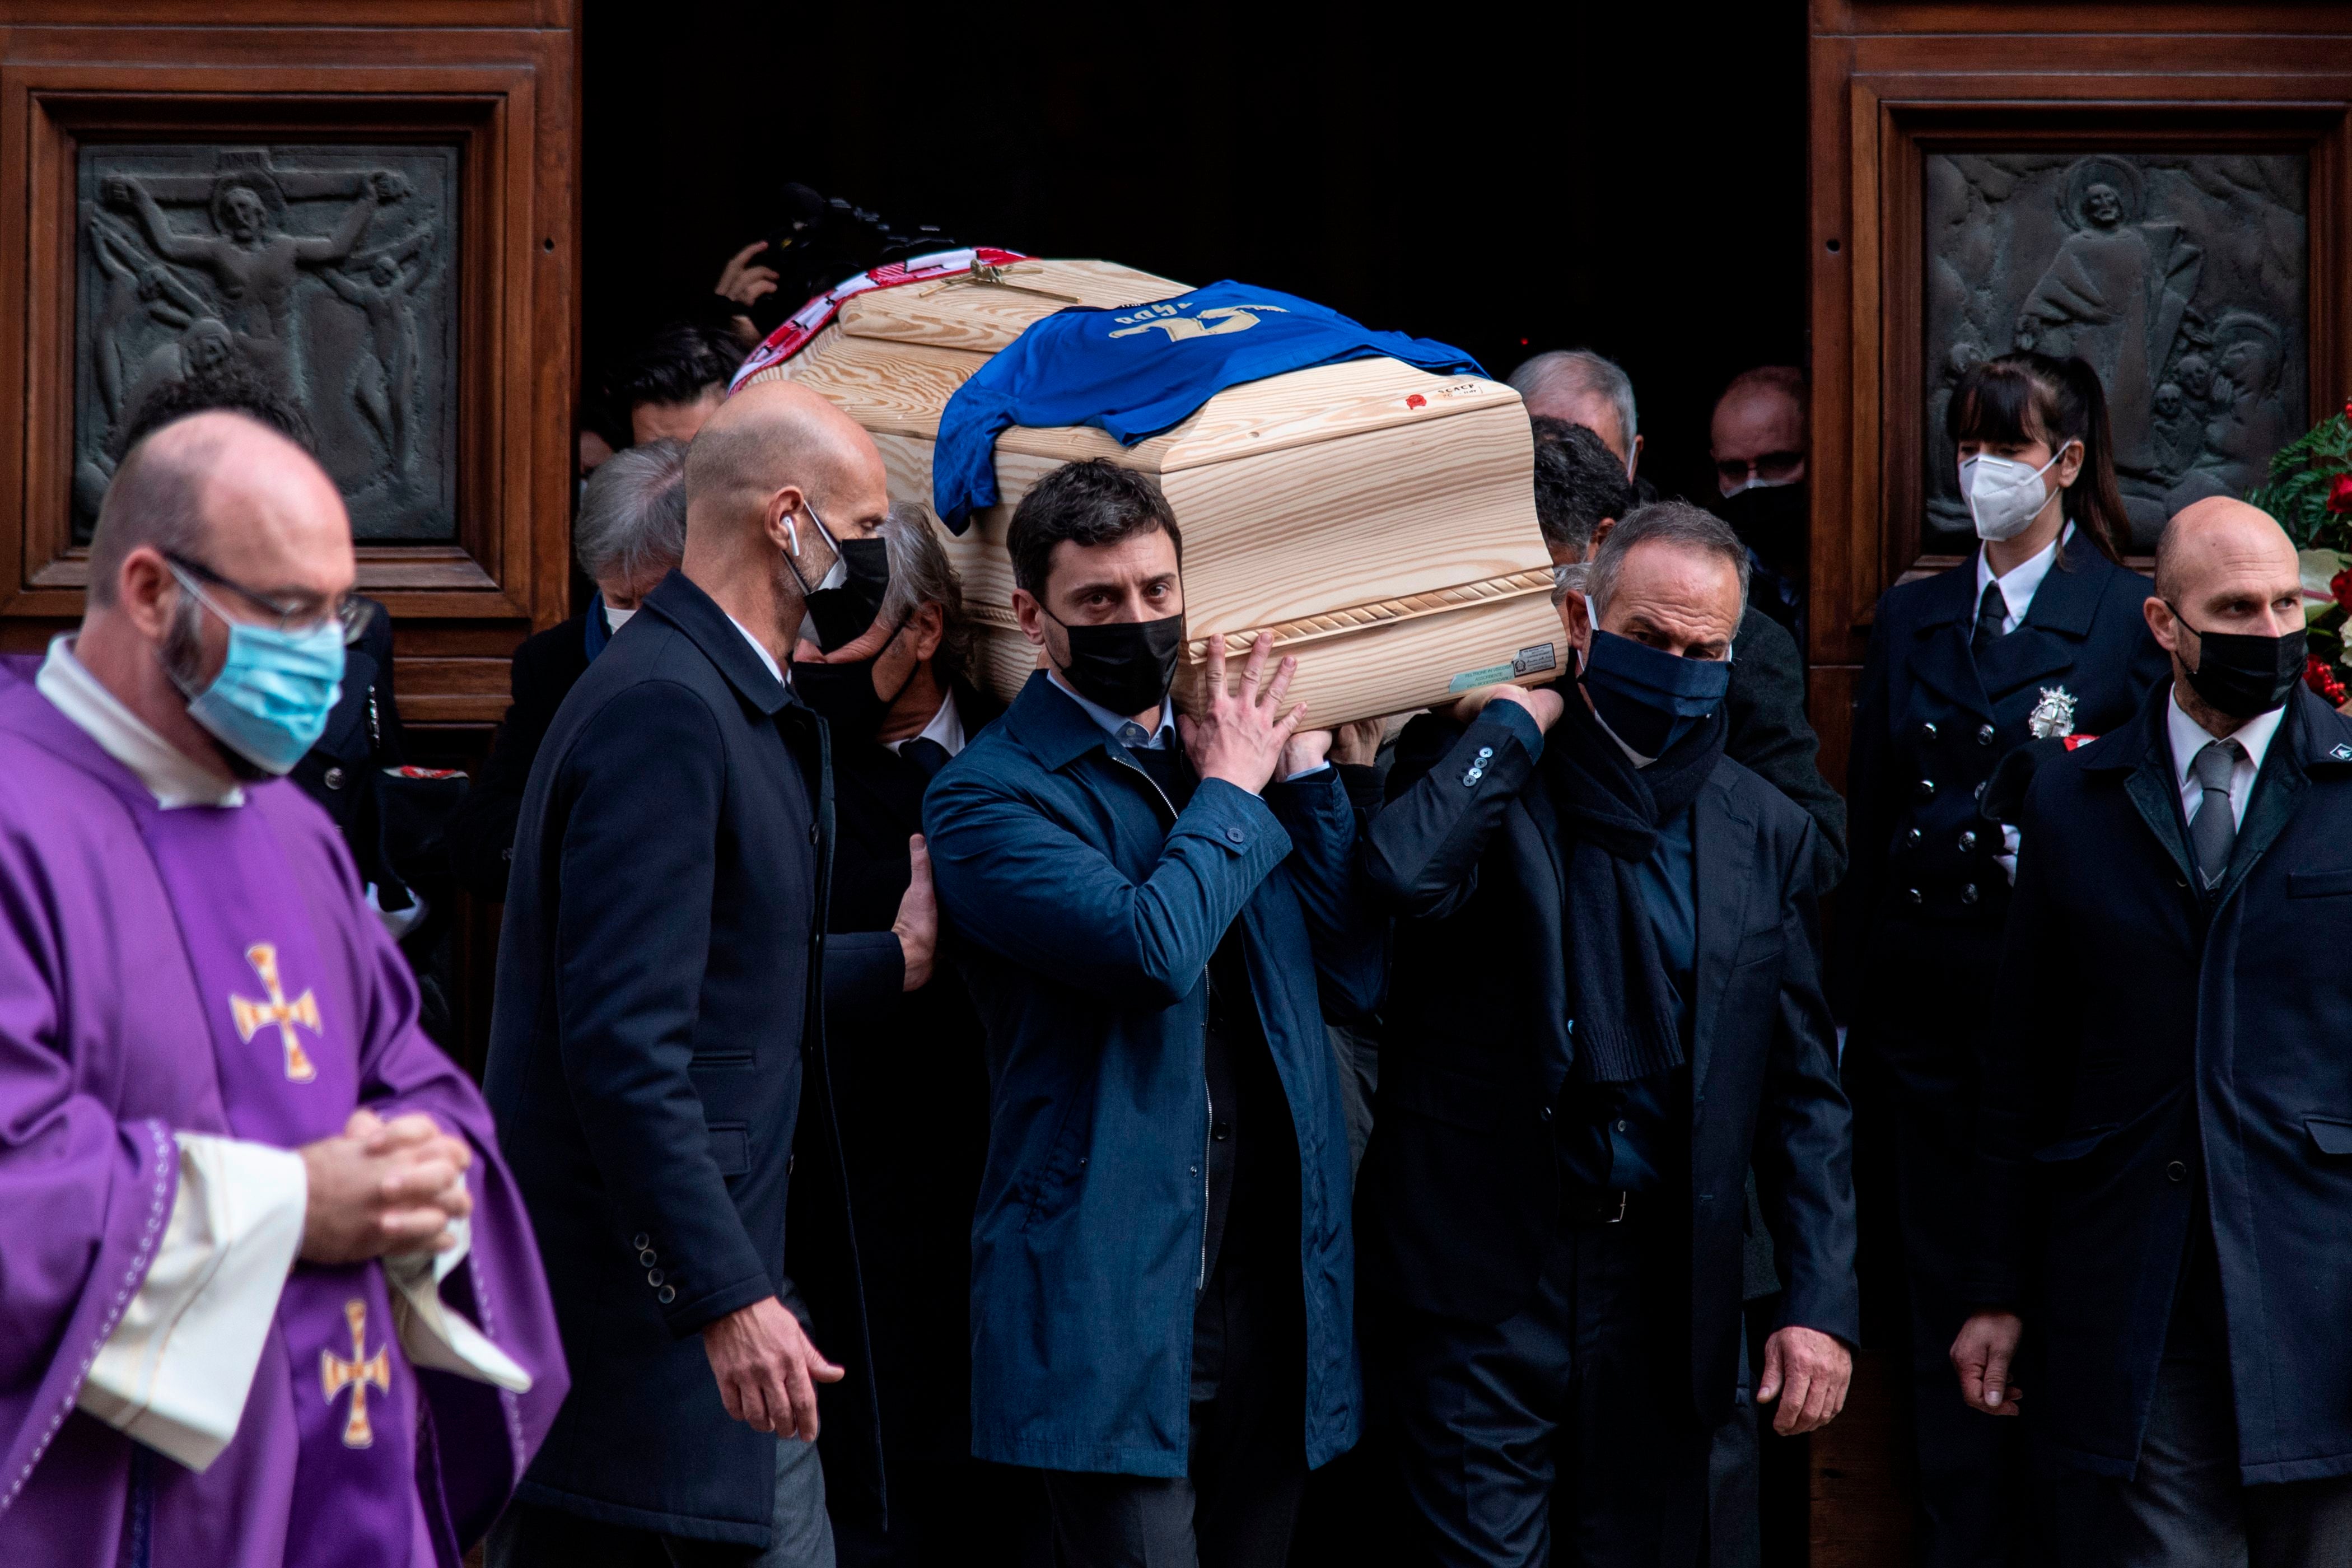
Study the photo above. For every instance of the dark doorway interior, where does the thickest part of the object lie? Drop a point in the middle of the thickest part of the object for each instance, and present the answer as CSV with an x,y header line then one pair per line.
x,y
1629,177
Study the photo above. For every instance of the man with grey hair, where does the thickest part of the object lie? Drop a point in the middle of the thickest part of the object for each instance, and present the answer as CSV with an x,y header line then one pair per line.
x,y
909,1064
629,535
1551,1205
1584,388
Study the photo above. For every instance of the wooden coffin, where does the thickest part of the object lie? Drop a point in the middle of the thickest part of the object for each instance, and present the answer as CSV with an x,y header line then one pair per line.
x,y
1377,519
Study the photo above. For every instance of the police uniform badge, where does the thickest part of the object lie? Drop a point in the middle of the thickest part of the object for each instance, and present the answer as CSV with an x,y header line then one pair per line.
x,y
2054,715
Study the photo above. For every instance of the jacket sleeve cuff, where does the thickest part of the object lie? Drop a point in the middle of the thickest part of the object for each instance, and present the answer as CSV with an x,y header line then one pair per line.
x,y
1518,722
175,1372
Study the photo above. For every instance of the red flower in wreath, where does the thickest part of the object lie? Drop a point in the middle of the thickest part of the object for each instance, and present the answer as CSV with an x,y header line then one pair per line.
x,y
2341,586
2321,677
2339,499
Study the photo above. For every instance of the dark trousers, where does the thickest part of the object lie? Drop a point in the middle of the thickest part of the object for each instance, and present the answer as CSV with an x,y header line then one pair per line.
x,y
967,1513
2186,1507
1236,1505
1569,1421
1979,1502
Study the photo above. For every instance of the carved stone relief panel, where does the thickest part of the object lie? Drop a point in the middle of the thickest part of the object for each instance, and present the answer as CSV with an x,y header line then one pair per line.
x,y
326,273
2180,277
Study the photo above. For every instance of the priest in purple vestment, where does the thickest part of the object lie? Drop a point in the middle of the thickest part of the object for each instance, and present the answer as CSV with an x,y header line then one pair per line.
x,y
271,1296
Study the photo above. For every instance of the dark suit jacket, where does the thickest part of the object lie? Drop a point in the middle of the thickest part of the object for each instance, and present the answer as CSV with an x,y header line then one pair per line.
x,y
658,1035
910,1085
1772,737
481,831
1461,1186
1925,902
2167,1059
363,734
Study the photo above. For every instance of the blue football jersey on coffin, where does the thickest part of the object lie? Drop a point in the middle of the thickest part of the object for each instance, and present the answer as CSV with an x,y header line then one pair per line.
x,y
1137,369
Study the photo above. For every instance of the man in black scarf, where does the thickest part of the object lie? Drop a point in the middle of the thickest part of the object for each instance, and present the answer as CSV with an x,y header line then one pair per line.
x,y
1604,1006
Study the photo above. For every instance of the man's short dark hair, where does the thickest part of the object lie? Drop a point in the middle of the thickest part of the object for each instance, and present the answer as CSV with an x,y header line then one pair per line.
x,y
1578,483
680,363
230,385
1089,503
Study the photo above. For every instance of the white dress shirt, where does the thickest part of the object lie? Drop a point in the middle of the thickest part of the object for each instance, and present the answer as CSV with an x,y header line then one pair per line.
x,y
767,659
2189,738
2019,584
946,727
175,1372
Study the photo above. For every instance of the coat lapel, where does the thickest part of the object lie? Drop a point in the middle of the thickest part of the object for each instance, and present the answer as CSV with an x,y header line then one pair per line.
x,y
1941,658
1724,844
2139,747
2050,638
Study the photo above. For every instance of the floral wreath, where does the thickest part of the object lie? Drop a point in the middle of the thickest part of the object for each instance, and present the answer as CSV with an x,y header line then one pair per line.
x,y
2309,491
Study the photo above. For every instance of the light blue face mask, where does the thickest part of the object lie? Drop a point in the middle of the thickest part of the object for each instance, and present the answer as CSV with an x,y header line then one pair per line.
x,y
270,700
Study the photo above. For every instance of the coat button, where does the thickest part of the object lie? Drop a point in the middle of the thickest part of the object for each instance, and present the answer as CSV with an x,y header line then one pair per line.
x,y
1543,1113
1927,789
1984,734
1913,895
812,832
1911,839
653,1277
1223,1131
2176,1171
1236,836
1486,751
1927,731
642,1242
667,1295
334,779
1968,841
647,1258
1968,894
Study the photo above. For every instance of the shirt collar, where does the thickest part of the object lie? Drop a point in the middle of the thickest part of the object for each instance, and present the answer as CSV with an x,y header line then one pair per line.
x,y
2189,737
170,775
1119,726
766,659
946,727
2019,583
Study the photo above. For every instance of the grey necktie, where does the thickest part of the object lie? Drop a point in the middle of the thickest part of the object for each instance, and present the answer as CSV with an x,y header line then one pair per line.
x,y
1992,617
2214,831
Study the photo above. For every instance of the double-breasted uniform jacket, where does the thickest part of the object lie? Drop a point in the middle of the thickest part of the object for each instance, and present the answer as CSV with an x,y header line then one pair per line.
x,y
656,1048
1462,1184
1924,901
362,734
2170,1058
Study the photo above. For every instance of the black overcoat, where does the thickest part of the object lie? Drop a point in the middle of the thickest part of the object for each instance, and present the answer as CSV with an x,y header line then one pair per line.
x,y
658,1044
1461,1185
2166,1059
1925,901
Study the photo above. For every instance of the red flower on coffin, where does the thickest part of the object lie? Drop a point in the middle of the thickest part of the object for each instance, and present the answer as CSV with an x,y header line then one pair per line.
x,y
2341,586
2339,499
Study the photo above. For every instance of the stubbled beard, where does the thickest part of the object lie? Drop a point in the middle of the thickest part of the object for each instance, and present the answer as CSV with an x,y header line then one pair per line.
x,y
182,656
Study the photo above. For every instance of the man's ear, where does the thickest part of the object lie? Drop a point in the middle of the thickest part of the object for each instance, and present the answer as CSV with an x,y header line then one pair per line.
x,y
1599,531
930,629
145,591
2162,624
1575,620
1030,614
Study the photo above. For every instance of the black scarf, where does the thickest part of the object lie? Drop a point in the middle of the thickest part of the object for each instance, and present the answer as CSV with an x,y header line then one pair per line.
x,y
1618,992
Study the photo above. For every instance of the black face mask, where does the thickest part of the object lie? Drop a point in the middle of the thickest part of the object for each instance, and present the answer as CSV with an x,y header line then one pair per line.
x,y
2244,675
1770,520
1125,666
844,610
844,694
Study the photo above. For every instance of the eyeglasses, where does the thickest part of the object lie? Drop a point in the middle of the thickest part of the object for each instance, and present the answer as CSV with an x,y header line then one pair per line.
x,y
1772,468
302,613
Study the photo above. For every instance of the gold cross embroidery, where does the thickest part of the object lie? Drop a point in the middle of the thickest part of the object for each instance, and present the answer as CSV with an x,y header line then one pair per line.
x,y
252,1017
336,1374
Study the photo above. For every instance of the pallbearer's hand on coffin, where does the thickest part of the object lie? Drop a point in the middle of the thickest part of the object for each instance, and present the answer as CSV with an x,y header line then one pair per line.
x,y
1239,735
1543,704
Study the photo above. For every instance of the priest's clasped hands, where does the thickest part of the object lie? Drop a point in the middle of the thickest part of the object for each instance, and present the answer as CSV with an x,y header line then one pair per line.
x,y
381,1188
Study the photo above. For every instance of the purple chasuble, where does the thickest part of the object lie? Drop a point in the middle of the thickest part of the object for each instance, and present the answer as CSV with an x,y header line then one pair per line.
x,y
214,971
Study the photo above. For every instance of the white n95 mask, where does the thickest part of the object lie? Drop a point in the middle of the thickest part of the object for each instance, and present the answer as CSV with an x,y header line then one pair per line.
x,y
2004,496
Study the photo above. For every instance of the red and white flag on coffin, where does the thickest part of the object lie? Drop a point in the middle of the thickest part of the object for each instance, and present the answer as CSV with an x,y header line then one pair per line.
x,y
812,318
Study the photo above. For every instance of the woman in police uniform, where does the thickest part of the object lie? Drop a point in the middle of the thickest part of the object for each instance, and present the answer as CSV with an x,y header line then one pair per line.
x,y
2039,632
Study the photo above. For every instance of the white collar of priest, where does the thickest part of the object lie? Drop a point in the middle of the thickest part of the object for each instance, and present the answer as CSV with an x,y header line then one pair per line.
x,y
170,775
946,727
1121,728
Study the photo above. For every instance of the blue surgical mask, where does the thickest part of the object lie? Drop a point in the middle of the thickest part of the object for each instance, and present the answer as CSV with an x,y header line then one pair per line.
x,y
1650,698
270,700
